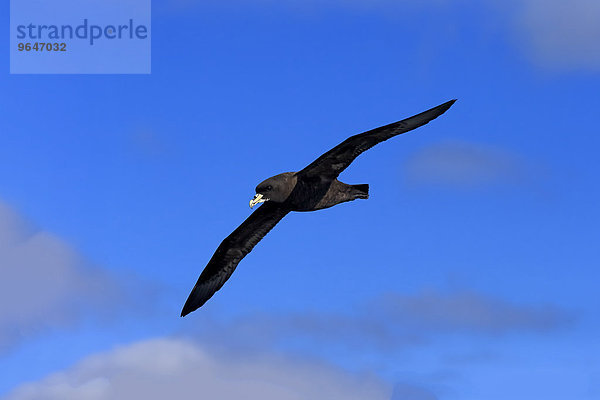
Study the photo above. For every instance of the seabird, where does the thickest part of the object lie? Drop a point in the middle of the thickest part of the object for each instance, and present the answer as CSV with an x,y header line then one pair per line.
x,y
313,188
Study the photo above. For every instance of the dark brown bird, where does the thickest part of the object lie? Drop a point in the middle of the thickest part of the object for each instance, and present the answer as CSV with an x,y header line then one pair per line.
x,y
313,188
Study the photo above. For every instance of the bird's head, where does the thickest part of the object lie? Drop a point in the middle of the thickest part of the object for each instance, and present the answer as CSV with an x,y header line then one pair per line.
x,y
277,188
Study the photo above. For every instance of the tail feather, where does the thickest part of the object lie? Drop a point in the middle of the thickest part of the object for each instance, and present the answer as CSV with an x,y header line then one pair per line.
x,y
361,191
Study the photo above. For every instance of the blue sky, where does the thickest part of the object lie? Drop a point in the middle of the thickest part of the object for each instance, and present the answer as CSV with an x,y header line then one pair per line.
x,y
470,273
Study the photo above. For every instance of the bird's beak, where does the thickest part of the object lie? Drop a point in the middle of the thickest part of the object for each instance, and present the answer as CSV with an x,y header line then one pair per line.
x,y
258,198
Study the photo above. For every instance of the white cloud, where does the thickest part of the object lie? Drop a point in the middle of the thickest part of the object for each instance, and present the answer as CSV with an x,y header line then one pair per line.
x,y
45,283
178,369
221,368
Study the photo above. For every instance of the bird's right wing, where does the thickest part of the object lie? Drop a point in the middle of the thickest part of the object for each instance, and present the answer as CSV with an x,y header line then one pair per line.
x,y
231,251
332,163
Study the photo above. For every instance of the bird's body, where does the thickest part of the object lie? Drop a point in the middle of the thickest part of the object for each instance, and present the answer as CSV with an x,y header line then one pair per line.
x,y
340,192
312,194
313,188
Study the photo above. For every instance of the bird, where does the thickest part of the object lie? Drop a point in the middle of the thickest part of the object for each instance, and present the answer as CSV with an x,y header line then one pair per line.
x,y
313,188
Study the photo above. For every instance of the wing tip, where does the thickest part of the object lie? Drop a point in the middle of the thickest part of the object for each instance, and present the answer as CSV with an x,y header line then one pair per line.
x,y
439,110
447,104
190,305
186,310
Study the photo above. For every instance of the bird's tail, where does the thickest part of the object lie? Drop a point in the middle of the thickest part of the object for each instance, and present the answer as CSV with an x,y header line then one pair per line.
x,y
360,191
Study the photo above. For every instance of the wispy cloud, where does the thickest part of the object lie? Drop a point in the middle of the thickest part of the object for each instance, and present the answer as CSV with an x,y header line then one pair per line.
x,y
392,321
176,369
45,282
411,392
560,34
467,311
556,34
464,165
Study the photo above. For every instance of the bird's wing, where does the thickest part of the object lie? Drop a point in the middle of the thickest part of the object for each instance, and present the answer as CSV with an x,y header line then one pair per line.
x,y
332,163
231,251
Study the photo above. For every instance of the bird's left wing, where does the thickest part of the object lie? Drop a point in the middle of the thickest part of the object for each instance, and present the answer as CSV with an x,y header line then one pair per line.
x,y
231,251
333,162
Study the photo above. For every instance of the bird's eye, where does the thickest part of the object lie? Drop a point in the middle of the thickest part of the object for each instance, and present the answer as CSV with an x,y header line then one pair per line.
x,y
269,187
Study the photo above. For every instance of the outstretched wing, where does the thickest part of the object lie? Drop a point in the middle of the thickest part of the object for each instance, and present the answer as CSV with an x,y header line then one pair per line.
x,y
332,163
231,251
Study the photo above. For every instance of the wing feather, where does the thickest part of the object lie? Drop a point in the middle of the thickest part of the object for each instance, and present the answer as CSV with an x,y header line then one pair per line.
x,y
231,251
333,162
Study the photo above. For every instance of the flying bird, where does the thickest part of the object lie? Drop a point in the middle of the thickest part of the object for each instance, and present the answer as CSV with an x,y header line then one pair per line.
x,y
313,188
